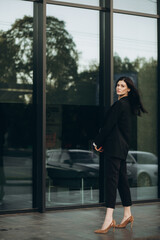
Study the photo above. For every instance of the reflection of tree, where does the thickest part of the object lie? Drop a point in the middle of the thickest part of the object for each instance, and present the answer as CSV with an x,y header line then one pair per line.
x,y
16,58
126,66
18,44
85,91
16,55
147,138
62,60
147,84
63,83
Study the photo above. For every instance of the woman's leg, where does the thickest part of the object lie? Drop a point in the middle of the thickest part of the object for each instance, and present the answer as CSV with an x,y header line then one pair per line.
x,y
127,212
124,191
108,218
112,166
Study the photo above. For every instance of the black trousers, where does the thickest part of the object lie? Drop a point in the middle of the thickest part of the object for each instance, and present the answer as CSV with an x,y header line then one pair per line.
x,y
116,178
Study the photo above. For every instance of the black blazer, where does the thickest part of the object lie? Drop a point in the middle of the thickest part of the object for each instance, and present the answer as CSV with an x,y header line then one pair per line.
x,y
114,136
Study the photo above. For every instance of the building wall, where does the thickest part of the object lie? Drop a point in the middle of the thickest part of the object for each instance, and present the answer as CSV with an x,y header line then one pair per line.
x,y
49,161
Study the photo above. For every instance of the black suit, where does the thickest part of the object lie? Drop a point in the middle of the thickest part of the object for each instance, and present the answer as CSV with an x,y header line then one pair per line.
x,y
114,137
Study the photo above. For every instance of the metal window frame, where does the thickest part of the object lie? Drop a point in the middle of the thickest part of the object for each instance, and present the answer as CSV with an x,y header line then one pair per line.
x,y
158,93
106,76
39,102
140,14
102,7
75,5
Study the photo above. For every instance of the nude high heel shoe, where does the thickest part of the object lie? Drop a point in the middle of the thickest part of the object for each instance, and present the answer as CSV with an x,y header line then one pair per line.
x,y
113,224
124,224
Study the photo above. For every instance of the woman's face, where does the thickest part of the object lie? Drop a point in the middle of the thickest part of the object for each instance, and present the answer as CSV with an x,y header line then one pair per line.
x,y
122,89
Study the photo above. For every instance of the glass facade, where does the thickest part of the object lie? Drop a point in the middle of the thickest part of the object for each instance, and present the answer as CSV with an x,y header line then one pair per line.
x,y
74,42
143,6
72,105
135,55
16,124
83,2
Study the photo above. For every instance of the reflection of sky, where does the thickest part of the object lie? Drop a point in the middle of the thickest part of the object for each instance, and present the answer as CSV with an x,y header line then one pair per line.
x,y
10,10
83,25
86,2
133,36
144,6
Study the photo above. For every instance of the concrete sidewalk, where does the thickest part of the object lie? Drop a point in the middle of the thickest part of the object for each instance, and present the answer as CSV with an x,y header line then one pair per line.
x,y
80,224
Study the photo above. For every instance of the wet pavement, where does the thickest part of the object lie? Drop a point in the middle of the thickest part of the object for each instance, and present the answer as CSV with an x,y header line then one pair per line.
x,y
80,224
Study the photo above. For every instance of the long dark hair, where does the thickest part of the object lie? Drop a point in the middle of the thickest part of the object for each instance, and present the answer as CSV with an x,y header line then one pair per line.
x,y
134,96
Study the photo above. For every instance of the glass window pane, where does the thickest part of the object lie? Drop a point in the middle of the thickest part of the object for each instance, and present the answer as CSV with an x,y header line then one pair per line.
x,y
83,2
144,6
72,105
135,56
16,78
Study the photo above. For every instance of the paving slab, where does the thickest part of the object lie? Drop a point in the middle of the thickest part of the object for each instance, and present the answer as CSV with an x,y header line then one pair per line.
x,y
80,224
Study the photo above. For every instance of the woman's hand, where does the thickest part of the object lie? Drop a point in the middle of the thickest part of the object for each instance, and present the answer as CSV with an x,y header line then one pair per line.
x,y
98,149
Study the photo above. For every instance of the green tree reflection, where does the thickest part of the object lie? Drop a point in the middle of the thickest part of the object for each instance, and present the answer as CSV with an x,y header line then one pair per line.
x,y
64,84
16,56
146,71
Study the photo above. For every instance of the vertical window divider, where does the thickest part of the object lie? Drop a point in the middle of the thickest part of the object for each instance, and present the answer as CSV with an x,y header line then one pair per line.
x,y
106,74
39,100
109,78
158,93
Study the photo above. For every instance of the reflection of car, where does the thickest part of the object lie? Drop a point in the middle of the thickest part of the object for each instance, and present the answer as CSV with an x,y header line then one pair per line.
x,y
143,167
68,168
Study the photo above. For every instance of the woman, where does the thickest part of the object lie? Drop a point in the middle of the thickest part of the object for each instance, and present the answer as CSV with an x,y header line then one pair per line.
x,y
113,139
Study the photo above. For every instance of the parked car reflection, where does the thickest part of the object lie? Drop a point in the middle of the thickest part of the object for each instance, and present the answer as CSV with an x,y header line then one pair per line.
x,y
143,167
67,168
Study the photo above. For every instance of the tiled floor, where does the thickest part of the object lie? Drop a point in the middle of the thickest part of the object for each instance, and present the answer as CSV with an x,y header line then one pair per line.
x,y
80,224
